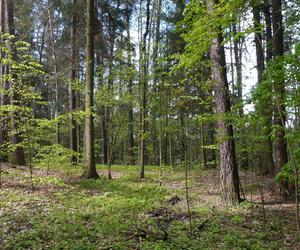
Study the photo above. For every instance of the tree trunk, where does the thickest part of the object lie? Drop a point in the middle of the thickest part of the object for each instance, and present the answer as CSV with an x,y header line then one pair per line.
x,y
237,48
228,166
107,117
72,91
203,144
100,74
90,171
18,155
130,89
3,97
55,72
166,143
266,165
280,144
237,44
268,20
157,88
144,88
2,16
211,153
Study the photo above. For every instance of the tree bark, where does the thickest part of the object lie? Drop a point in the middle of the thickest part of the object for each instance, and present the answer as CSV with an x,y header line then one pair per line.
x,y
18,154
280,144
268,20
2,16
130,89
3,97
90,171
100,73
72,91
144,88
237,48
55,72
228,167
266,166
107,117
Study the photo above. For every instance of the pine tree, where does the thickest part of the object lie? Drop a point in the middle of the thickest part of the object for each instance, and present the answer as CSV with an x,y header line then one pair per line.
x,y
228,166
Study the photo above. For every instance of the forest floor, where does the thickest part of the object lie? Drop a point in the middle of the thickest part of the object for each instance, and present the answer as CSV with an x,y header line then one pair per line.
x,y
65,212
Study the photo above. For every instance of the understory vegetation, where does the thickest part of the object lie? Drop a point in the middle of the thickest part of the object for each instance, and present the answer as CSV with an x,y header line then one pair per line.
x,y
64,212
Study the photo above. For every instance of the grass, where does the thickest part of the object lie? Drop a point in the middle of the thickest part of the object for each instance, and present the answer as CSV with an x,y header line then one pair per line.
x,y
64,212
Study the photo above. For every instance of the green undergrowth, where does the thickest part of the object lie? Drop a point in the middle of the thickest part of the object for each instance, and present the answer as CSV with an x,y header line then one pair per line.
x,y
125,213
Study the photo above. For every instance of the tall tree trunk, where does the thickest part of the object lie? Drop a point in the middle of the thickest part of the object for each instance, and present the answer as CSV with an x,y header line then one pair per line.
x,y
237,48
237,44
260,66
266,165
280,145
156,88
144,89
55,72
3,97
2,16
18,155
156,131
130,88
90,171
72,91
268,19
228,166
107,117
100,74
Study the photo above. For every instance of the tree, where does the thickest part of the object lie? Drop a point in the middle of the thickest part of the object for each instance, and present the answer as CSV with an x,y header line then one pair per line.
x,y
3,68
90,171
228,166
100,52
9,27
73,76
264,106
144,89
130,87
55,72
280,144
